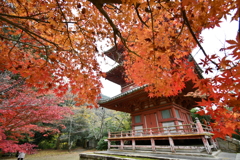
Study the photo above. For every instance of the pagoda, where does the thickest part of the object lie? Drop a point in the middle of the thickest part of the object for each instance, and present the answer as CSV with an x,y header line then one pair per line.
x,y
157,123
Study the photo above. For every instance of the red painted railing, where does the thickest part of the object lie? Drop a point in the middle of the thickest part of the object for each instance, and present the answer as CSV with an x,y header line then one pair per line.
x,y
193,128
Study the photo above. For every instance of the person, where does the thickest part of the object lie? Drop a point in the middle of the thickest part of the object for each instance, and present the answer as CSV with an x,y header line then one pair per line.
x,y
21,155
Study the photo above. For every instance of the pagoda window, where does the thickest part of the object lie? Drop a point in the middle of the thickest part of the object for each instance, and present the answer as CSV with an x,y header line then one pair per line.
x,y
166,114
137,119
170,127
138,130
177,113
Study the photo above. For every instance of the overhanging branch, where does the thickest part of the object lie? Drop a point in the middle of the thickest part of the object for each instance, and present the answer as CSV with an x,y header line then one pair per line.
x,y
27,31
116,31
194,36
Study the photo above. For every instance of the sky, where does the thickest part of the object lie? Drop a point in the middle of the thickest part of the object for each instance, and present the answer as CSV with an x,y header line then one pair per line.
x,y
214,40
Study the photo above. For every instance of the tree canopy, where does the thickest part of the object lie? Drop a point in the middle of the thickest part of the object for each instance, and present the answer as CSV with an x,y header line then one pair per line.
x,y
52,44
23,111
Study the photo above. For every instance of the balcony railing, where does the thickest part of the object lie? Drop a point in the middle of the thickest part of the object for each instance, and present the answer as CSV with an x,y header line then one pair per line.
x,y
193,128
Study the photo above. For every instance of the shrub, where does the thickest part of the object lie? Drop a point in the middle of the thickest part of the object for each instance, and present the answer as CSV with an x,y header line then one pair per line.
x,y
102,145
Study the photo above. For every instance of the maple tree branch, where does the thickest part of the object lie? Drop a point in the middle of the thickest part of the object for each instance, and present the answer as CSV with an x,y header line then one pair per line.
x,y
239,21
101,2
153,36
181,29
66,24
22,17
194,36
114,7
27,31
31,18
84,35
14,46
139,17
23,6
21,82
114,27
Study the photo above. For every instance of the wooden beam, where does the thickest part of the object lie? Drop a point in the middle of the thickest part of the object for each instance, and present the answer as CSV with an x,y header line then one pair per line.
x,y
133,144
153,144
109,144
199,126
206,145
122,145
215,147
171,144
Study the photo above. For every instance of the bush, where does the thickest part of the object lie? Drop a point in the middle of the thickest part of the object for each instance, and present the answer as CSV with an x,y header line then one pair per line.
x,y
46,145
236,136
102,145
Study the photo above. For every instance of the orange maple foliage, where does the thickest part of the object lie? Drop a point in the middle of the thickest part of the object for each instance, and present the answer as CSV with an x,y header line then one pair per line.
x,y
52,44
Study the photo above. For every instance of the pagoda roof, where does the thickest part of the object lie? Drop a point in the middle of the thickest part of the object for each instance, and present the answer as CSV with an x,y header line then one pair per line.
x,y
102,101
104,96
116,75
115,53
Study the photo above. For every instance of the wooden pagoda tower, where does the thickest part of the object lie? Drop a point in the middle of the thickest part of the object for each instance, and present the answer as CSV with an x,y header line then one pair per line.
x,y
156,122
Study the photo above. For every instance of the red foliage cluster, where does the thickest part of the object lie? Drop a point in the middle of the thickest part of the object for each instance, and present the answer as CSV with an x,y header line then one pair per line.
x,y
22,111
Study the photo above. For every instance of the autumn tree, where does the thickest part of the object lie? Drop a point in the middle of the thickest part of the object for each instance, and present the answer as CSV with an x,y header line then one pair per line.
x,y
23,111
58,41
101,120
76,123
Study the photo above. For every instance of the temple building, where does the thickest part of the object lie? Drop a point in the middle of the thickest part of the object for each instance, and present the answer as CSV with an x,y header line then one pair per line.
x,y
157,123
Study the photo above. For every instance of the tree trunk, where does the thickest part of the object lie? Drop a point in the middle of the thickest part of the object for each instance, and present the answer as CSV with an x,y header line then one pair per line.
x,y
58,141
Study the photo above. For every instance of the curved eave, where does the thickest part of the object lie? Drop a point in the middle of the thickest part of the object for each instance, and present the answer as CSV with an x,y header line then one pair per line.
x,y
116,75
115,53
119,96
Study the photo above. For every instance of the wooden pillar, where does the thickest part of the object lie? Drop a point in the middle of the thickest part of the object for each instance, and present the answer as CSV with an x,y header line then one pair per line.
x,y
122,145
171,144
109,134
133,144
151,132
133,133
206,145
153,144
173,112
199,126
109,144
157,122
213,143
175,116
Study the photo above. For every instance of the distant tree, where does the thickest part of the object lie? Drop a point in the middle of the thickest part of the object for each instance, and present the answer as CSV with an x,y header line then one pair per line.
x,y
102,120
75,123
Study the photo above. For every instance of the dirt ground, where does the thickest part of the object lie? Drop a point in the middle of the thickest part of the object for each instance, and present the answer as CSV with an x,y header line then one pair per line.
x,y
53,155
